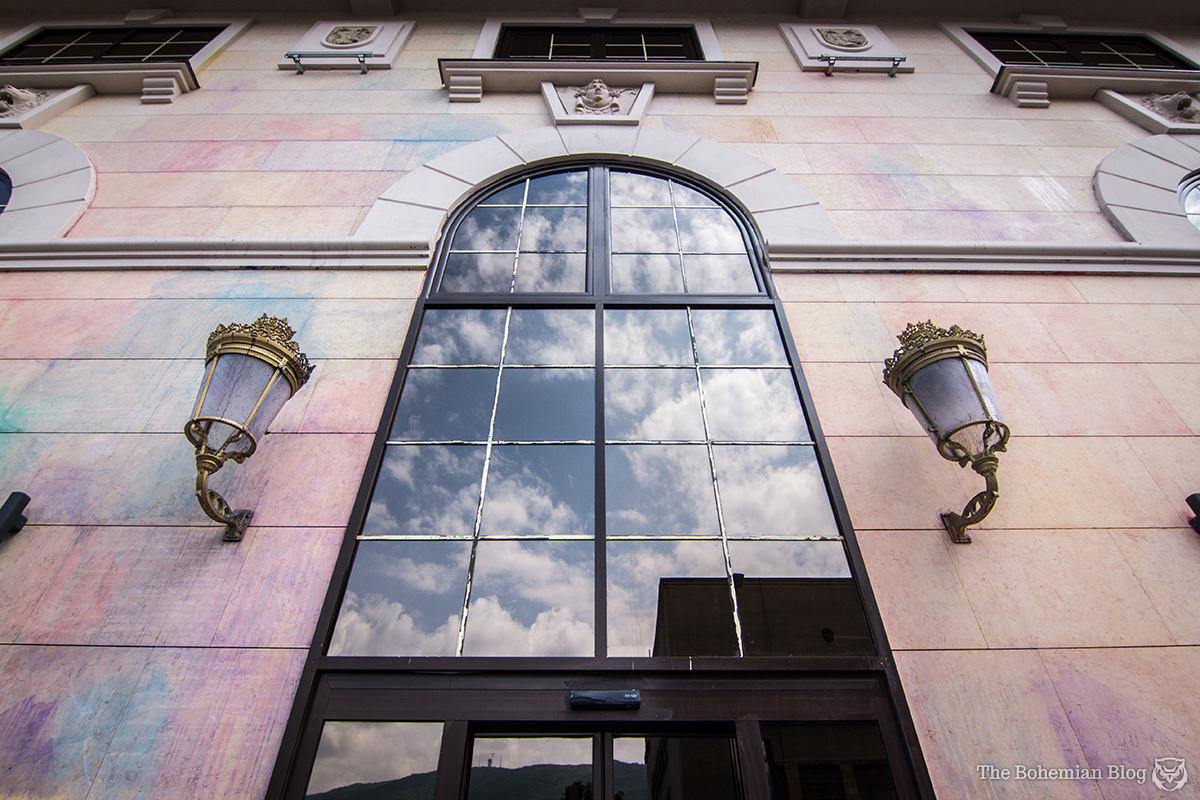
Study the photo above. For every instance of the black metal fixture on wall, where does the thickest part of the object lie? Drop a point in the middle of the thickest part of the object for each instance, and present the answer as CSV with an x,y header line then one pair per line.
x,y
11,518
941,376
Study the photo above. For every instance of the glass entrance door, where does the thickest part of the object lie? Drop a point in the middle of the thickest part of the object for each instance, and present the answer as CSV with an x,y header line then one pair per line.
x,y
523,741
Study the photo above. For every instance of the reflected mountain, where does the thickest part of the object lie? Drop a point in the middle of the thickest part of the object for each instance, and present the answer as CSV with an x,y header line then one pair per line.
x,y
537,782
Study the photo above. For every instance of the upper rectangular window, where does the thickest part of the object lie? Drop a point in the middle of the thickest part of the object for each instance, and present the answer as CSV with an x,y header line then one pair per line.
x,y
1090,50
126,44
643,43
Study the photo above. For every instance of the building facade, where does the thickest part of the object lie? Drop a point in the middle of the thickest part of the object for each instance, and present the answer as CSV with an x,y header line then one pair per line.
x,y
595,488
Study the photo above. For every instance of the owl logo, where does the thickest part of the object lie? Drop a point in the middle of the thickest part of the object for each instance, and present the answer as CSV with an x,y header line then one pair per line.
x,y
1169,773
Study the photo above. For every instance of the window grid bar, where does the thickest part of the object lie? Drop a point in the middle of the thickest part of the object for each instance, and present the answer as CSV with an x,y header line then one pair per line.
x,y
712,465
487,460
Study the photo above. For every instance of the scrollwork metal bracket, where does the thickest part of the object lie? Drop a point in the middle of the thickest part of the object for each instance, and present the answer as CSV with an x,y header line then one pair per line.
x,y
978,506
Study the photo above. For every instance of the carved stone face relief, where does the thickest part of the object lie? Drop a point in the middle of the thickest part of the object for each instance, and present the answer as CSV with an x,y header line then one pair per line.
x,y
843,38
1177,107
14,101
598,98
346,35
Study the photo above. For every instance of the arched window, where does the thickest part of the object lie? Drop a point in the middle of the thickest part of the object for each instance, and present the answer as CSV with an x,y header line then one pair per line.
x,y
599,472
599,432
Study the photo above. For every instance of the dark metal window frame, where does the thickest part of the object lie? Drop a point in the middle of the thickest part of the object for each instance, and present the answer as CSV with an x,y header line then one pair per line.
x,y
598,36
164,35
6,188
528,693
1085,48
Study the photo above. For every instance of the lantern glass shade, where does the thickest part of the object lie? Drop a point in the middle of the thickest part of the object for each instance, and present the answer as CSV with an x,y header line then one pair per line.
x,y
241,394
953,398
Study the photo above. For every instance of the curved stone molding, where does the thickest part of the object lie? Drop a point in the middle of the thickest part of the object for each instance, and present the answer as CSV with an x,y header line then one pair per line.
x,y
53,181
1137,186
416,206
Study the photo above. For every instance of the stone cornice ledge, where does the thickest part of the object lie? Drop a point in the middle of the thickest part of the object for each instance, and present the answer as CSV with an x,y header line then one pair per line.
x,y
467,79
232,254
181,253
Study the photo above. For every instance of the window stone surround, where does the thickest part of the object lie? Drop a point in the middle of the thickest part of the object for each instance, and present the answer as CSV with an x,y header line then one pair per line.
x,y
417,206
1137,187
53,182
466,79
1032,86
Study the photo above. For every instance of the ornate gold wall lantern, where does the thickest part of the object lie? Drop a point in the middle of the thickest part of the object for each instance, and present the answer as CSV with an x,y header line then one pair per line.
x,y
941,376
250,371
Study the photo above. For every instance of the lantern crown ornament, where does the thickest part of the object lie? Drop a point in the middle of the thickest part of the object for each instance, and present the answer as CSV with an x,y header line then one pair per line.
x,y
941,376
250,371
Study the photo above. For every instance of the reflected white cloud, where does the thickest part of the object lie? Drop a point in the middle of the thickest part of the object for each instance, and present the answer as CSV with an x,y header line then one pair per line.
x,y
552,272
738,337
646,274
554,230
561,188
492,631
753,405
650,337
643,230
375,626
660,490
551,336
460,336
789,559
633,189
703,230
539,489
775,491
488,229
427,489
369,752
652,404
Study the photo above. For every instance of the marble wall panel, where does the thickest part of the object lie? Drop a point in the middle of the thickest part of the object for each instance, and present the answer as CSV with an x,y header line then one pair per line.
x,y
999,708
58,721
1130,706
1164,563
192,709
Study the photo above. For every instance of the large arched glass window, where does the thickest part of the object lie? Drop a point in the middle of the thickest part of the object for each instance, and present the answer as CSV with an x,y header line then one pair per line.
x,y
599,445
598,544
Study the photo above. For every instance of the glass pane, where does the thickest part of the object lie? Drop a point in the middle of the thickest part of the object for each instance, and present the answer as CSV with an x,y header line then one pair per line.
x,y
511,196
647,274
558,337
659,490
647,337
652,405
675,767
642,230
704,230
686,196
546,404
554,230
426,489
741,337
532,599
814,611
404,598
488,229
446,404
478,272
552,272
632,189
753,405
460,336
400,758
530,769
719,275
540,489
560,189
835,760
668,598
773,491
